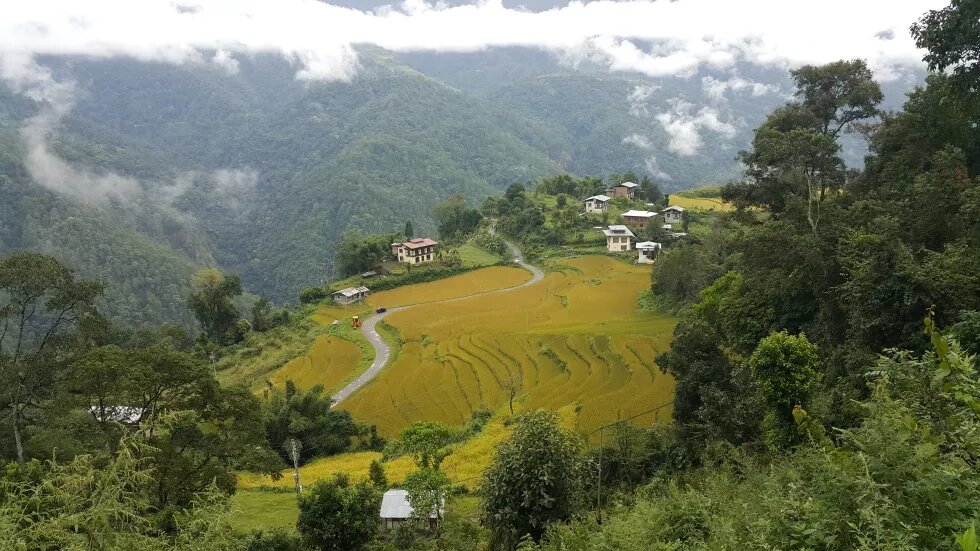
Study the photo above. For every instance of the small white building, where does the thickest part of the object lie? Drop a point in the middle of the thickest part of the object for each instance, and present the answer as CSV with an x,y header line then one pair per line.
x,y
647,252
396,509
350,295
596,204
618,238
673,215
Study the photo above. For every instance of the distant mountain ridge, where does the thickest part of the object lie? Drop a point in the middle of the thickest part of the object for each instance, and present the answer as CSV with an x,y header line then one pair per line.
x,y
261,174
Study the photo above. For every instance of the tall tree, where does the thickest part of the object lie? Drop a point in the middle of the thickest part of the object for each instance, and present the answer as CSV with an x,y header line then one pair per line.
x,y
952,37
41,308
409,230
211,300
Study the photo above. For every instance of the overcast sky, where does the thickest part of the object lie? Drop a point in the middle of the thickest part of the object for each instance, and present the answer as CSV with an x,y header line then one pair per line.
x,y
318,37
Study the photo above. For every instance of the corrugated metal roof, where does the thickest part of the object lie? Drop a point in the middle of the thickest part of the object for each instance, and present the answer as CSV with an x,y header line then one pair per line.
x,y
602,198
628,184
676,208
649,245
639,213
352,291
395,505
618,231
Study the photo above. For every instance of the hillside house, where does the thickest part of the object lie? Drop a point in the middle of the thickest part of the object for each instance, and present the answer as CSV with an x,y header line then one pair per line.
x,y
618,238
597,204
396,509
673,215
351,295
647,252
638,219
626,190
415,251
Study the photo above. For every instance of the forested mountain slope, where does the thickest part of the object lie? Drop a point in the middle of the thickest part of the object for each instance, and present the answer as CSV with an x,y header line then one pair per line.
x,y
251,169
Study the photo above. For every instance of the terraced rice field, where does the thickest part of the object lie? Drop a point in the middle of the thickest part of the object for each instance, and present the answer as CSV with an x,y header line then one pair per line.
x,y
576,337
470,283
330,361
463,466
700,203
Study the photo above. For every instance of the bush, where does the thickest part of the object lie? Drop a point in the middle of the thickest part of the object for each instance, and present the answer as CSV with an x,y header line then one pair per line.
x,y
335,514
314,295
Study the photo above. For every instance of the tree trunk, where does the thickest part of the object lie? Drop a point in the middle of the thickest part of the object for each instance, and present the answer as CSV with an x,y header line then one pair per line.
x,y
15,418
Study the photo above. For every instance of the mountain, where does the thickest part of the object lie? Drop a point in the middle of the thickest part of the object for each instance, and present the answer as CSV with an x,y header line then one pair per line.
x,y
154,170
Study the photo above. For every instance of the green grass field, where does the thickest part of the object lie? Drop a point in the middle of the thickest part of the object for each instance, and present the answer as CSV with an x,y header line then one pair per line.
x,y
263,510
473,255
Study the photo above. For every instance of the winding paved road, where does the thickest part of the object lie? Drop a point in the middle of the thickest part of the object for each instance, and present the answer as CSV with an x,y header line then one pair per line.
x,y
382,352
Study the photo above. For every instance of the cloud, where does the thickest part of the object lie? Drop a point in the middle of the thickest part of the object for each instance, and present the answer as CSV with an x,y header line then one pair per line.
x,y
655,38
716,89
639,141
683,125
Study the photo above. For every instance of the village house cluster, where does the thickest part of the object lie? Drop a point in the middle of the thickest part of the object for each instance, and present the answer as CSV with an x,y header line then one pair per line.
x,y
620,237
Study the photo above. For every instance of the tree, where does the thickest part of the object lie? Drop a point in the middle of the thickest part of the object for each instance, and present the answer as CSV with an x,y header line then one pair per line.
x,y
535,478
198,433
356,254
306,416
426,442
42,307
453,218
838,94
376,474
409,230
784,368
952,37
262,315
427,489
211,301
337,515
512,385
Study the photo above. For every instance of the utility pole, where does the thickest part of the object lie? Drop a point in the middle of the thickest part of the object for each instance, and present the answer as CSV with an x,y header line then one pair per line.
x,y
292,447
598,492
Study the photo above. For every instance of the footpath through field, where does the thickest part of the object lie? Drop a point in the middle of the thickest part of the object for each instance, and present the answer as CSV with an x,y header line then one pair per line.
x,y
382,351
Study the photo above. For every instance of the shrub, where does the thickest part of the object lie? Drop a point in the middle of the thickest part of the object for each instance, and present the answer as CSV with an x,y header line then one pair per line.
x,y
335,514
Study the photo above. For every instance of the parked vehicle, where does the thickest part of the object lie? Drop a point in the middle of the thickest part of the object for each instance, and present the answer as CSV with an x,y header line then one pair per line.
x,y
381,309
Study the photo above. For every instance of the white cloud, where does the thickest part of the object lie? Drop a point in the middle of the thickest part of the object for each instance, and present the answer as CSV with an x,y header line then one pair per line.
x,y
683,125
686,34
639,141
716,89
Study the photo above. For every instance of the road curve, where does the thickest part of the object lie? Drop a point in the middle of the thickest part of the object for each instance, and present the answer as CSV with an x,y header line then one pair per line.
x,y
382,352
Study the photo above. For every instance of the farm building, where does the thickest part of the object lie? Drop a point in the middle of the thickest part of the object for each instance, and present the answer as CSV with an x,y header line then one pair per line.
x,y
596,204
673,215
638,218
626,190
350,295
415,251
618,238
647,252
396,509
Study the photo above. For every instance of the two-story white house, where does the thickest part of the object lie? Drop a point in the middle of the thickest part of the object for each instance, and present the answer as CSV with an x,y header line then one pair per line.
x,y
415,251
597,204
618,238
